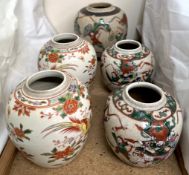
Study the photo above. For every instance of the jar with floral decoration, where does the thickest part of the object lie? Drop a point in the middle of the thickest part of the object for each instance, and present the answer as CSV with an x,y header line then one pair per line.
x,y
48,117
68,52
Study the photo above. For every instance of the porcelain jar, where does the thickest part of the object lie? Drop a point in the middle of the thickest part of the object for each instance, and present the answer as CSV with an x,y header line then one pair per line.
x,y
125,62
142,124
102,24
48,117
68,52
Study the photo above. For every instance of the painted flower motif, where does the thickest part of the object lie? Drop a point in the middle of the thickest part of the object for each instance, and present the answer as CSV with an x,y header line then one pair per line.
x,y
53,57
56,154
90,66
93,61
23,109
61,154
19,133
84,49
70,106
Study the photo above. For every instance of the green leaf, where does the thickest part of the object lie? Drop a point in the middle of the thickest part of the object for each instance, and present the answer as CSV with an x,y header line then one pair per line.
x,y
20,139
61,100
27,138
141,115
46,154
27,131
54,150
21,126
68,96
77,98
59,108
50,161
63,115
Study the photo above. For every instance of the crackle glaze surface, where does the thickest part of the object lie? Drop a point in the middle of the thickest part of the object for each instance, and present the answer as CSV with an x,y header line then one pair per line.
x,y
119,68
77,58
139,137
101,28
50,131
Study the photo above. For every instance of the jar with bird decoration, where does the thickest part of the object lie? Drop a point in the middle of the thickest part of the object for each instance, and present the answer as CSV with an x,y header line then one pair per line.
x,y
48,117
102,24
125,62
142,123
68,52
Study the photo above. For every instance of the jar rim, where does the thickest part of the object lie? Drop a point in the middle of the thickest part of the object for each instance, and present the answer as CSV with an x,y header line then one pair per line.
x,y
128,51
62,36
47,92
142,105
100,7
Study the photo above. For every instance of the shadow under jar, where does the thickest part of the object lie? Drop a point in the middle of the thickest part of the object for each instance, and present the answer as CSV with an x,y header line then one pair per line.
x,y
102,24
48,118
125,62
142,123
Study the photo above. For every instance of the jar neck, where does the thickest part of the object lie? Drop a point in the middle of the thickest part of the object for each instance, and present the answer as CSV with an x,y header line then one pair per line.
x,y
128,47
65,41
139,104
100,7
46,83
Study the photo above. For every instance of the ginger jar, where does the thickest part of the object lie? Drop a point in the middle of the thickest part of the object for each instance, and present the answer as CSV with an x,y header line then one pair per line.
x,y
102,24
68,52
125,62
142,123
48,118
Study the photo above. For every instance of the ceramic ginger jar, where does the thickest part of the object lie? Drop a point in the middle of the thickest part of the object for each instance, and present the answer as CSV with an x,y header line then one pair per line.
x,y
48,118
102,24
125,62
68,52
142,124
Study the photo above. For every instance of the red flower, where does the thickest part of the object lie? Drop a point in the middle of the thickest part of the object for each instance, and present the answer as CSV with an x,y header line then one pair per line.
x,y
19,133
93,61
61,154
84,49
22,109
53,57
159,131
126,67
70,106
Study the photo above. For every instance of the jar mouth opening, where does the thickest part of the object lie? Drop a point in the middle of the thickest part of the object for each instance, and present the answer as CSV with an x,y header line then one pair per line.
x,y
102,5
128,45
144,95
65,38
45,81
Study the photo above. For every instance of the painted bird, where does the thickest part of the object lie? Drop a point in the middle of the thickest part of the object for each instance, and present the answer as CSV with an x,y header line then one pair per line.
x,y
75,125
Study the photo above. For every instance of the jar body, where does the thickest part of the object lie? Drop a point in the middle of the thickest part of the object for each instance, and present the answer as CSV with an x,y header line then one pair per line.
x,y
142,137
101,24
77,57
120,68
49,130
